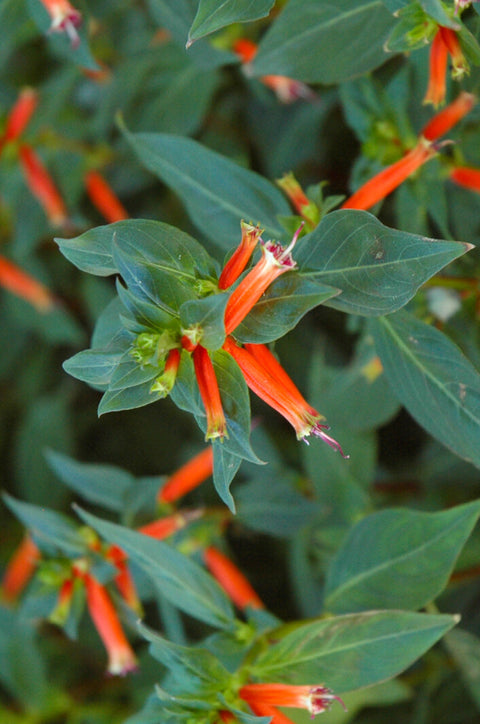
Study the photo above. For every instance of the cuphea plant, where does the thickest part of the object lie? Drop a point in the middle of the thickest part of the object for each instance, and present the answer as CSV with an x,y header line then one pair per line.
x,y
240,294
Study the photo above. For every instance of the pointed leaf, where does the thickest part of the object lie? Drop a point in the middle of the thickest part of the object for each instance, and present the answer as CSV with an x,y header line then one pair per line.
x,y
323,42
52,527
105,485
94,366
128,398
213,15
437,11
225,467
149,315
282,306
182,581
208,313
160,264
433,379
349,652
129,373
377,269
398,558
92,251
217,192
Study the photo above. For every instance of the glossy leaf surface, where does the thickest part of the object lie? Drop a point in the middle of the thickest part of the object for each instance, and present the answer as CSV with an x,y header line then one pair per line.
x,y
213,15
398,558
325,42
377,269
433,379
349,652
217,192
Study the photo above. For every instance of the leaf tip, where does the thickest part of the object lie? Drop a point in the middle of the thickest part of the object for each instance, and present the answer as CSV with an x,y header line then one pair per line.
x,y
189,42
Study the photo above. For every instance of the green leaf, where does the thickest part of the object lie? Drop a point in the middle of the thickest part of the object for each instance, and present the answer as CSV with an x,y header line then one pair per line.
x,y
217,192
213,15
160,264
282,306
272,503
94,366
377,269
196,669
48,526
349,652
129,373
185,393
109,329
433,379
148,315
364,381
208,314
128,398
320,42
105,485
436,10
225,467
398,559
182,581
92,251
177,17
22,670
47,421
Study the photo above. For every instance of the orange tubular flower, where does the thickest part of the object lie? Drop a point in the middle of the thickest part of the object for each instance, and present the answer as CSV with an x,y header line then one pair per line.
x,y
20,115
241,256
226,716
450,39
165,382
121,658
210,394
316,699
165,527
261,709
23,285
444,121
20,569
469,178
275,261
304,419
231,579
437,80
124,580
65,596
65,19
286,89
103,198
301,203
188,477
42,186
270,363
245,49
387,180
